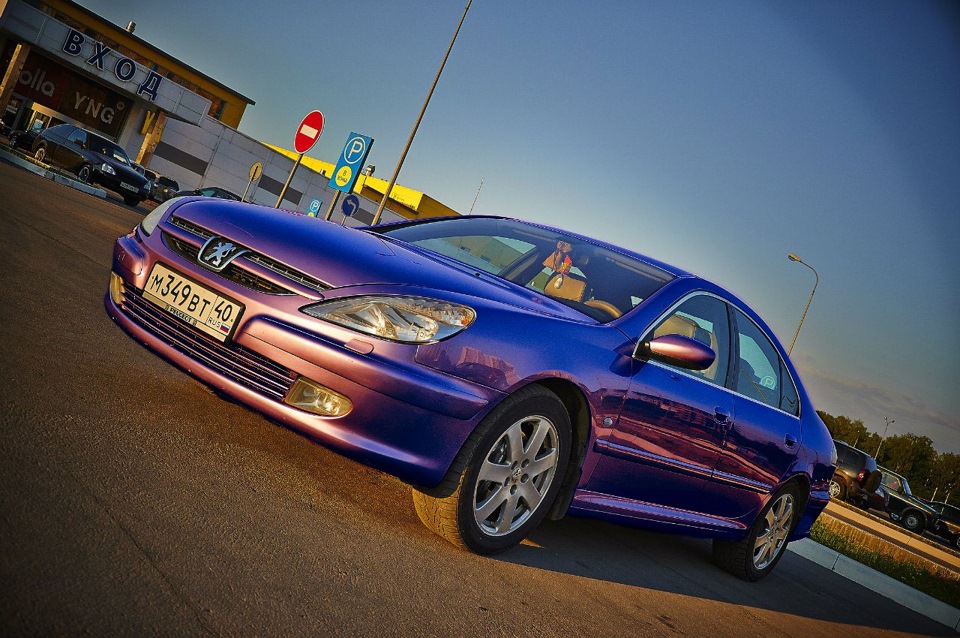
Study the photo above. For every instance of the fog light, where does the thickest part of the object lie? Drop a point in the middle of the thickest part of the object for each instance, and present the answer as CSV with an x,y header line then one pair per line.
x,y
116,288
311,396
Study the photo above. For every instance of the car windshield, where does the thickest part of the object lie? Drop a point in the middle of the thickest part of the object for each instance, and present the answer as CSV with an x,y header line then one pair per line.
x,y
596,280
166,181
102,146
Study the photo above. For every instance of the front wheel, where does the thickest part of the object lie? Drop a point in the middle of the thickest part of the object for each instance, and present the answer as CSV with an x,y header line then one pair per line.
x,y
40,155
131,201
506,476
754,556
84,173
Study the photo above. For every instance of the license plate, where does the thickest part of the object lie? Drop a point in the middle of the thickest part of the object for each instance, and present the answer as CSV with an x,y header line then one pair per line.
x,y
129,187
191,302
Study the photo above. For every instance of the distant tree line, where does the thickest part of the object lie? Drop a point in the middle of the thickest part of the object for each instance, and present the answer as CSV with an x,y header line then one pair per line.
x,y
932,475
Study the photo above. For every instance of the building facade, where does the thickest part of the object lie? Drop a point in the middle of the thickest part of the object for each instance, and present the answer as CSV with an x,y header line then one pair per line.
x,y
63,63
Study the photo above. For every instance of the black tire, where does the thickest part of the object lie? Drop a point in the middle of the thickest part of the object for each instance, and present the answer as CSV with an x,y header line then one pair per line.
x,y
40,155
914,521
484,502
131,201
838,490
13,140
956,542
755,555
84,173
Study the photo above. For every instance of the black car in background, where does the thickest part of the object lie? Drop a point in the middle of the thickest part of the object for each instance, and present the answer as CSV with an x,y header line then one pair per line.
x,y
92,159
906,508
948,525
856,478
164,188
212,191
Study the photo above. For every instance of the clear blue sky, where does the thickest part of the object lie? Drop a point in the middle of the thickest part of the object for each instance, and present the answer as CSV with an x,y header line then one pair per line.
x,y
718,136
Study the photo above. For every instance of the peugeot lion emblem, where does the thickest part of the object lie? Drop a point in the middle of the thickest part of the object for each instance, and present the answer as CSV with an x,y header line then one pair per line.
x,y
218,252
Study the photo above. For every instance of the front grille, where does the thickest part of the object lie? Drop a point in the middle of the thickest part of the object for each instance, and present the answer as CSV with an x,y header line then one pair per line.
x,y
258,258
233,271
235,362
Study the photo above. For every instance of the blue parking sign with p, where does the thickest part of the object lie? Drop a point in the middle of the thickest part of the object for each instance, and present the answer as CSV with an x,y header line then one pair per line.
x,y
314,208
352,157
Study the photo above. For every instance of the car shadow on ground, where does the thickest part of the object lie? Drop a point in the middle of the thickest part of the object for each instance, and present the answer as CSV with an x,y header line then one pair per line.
x,y
682,565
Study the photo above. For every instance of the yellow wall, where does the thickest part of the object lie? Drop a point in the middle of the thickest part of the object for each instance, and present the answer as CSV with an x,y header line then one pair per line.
x,y
403,201
234,103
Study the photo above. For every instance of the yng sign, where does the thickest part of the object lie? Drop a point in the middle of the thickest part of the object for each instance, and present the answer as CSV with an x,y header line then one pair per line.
x,y
95,106
352,156
123,67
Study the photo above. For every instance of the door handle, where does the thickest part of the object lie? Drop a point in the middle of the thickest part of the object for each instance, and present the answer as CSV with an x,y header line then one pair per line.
x,y
722,416
790,440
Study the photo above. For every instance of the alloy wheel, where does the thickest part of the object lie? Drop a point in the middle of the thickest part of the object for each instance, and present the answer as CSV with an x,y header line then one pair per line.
x,y
772,539
515,475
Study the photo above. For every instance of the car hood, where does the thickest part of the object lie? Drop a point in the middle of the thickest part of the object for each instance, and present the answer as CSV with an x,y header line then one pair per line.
x,y
343,257
122,170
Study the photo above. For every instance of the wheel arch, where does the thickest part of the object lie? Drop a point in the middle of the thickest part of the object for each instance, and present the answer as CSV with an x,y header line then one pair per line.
x,y
575,402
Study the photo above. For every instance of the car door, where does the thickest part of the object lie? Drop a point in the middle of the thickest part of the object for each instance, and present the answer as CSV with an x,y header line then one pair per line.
x,y
72,155
663,448
763,442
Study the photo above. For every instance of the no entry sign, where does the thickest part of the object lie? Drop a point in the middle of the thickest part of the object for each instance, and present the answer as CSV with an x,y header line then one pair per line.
x,y
308,132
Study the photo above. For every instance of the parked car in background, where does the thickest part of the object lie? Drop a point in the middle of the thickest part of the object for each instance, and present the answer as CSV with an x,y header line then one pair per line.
x,y
211,191
856,479
948,524
904,507
93,159
508,371
23,140
164,188
146,172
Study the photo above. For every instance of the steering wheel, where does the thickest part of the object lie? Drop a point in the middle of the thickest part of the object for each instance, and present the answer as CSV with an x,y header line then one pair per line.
x,y
606,306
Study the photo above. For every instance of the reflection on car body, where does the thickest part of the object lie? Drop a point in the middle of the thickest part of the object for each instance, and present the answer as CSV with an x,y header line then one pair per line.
x,y
507,371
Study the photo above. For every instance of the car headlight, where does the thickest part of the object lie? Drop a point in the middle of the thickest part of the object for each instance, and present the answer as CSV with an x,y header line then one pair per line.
x,y
106,168
150,222
403,319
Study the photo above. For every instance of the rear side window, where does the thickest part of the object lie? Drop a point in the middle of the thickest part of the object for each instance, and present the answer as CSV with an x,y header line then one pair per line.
x,y
761,374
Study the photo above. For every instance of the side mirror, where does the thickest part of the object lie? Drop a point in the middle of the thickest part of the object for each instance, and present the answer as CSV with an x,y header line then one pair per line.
x,y
78,143
677,350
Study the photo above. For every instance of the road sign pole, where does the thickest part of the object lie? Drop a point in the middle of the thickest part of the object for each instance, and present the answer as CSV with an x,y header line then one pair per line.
x,y
333,204
255,171
289,179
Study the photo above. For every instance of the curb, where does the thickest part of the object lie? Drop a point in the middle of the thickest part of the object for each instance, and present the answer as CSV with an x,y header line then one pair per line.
x,y
880,583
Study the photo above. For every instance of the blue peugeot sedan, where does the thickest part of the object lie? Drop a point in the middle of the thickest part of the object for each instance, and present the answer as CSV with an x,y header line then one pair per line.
x,y
507,371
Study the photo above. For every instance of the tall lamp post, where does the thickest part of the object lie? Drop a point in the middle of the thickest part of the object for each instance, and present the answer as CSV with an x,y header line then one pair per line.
x,y
889,421
406,149
793,257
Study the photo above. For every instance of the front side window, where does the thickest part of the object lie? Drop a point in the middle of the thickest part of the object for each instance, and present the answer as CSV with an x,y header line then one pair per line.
x,y
703,318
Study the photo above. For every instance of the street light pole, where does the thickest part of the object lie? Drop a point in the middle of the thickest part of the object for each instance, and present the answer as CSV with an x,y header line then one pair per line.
x,y
403,156
889,421
793,257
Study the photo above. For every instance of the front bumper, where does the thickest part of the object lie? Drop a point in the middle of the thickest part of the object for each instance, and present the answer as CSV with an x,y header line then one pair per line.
x,y
407,420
